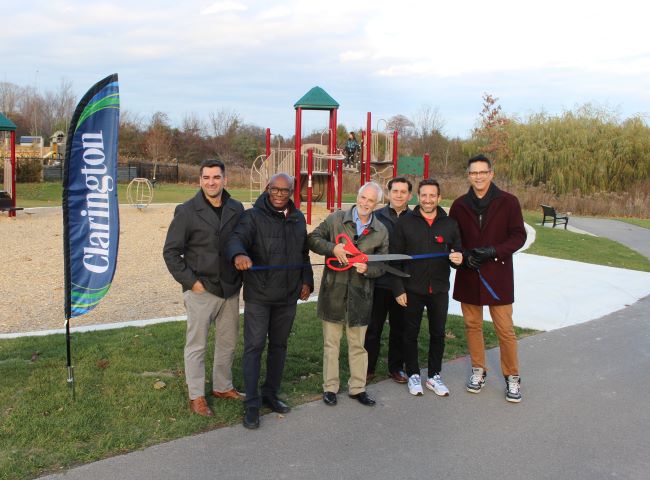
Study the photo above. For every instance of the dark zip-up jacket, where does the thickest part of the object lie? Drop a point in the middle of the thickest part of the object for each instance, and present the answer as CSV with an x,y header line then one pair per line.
x,y
388,216
414,236
194,247
269,238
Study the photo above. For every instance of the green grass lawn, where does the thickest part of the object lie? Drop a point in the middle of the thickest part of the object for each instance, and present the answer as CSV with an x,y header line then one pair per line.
x,y
117,409
639,222
49,194
560,243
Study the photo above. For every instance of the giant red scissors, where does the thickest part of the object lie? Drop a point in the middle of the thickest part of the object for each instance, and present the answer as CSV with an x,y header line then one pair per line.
x,y
357,256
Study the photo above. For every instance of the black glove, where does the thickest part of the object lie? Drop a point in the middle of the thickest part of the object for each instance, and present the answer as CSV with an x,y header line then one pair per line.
x,y
484,253
477,256
471,260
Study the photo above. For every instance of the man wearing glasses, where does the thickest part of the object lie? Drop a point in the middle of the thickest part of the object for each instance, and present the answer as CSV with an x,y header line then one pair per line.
x,y
272,233
492,229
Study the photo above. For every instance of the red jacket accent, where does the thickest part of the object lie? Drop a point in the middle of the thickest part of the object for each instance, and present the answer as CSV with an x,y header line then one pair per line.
x,y
503,229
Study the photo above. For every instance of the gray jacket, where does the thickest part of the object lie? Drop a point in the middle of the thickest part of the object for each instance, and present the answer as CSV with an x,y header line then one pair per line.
x,y
195,245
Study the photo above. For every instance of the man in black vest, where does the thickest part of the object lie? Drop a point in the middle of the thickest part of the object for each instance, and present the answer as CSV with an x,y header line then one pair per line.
x,y
194,256
273,234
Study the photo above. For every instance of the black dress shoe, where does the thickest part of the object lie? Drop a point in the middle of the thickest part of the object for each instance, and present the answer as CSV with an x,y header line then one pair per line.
x,y
275,404
364,399
252,418
329,398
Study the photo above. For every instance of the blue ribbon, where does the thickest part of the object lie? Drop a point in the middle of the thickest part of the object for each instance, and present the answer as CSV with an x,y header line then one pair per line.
x,y
420,256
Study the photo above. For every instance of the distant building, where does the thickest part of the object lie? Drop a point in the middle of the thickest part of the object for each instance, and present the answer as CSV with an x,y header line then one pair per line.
x,y
31,141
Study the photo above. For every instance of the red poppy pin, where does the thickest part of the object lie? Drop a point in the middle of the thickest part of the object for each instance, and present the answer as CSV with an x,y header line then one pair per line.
x,y
365,231
439,239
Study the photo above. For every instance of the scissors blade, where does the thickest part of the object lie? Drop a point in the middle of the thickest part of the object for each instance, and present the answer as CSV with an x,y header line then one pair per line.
x,y
394,271
388,257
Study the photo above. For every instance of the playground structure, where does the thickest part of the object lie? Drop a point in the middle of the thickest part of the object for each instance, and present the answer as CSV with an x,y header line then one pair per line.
x,y
8,193
139,193
318,168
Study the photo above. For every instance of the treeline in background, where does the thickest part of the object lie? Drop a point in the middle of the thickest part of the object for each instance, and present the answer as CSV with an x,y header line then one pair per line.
x,y
586,160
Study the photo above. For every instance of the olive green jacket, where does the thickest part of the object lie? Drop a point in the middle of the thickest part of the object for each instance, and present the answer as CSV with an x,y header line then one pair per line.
x,y
346,297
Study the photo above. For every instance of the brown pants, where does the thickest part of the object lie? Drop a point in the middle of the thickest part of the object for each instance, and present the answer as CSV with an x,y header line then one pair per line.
x,y
357,357
502,319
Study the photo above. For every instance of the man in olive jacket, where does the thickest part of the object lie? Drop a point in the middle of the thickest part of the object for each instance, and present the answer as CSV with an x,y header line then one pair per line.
x,y
271,234
194,254
345,297
492,229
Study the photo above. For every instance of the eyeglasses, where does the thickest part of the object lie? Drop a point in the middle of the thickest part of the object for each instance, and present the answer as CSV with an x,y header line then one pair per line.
x,y
279,191
482,173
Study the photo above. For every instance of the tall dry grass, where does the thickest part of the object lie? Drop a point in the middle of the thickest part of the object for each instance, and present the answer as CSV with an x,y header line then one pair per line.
x,y
634,202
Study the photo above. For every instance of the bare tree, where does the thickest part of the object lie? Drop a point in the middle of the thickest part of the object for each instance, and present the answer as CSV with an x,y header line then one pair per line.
x,y
61,103
193,125
159,138
428,120
9,97
224,122
402,124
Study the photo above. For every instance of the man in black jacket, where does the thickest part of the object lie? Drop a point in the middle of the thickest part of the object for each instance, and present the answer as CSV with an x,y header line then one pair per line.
x,y
273,233
194,256
427,230
399,193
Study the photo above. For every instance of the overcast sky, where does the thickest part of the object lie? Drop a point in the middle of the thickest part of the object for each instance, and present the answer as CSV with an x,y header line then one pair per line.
x,y
387,57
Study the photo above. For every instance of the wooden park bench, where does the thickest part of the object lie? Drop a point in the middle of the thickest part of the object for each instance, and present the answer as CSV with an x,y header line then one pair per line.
x,y
558,218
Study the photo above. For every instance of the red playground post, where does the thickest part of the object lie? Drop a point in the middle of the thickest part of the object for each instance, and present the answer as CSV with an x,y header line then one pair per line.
x,y
310,171
394,153
362,165
339,182
368,147
268,142
425,174
296,194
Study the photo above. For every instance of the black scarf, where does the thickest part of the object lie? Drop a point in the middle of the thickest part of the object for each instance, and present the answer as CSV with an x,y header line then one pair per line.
x,y
480,205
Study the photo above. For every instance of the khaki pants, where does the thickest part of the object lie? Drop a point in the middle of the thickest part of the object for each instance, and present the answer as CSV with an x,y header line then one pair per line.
x,y
202,310
502,320
357,357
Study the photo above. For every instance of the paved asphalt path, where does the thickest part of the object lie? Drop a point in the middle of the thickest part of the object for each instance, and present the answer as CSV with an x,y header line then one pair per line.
x,y
585,415
635,237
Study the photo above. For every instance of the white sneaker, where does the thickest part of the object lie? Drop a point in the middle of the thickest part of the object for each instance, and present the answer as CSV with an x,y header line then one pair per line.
x,y
415,385
513,388
438,387
476,380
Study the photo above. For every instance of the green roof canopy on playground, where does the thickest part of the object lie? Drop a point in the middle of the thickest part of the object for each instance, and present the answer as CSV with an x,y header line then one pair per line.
x,y
314,99
7,125
317,99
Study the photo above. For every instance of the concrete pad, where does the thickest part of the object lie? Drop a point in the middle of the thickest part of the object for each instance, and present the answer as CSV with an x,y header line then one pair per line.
x,y
551,293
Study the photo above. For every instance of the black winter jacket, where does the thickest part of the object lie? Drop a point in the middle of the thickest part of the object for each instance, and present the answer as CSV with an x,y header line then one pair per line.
x,y
414,236
268,238
388,216
194,248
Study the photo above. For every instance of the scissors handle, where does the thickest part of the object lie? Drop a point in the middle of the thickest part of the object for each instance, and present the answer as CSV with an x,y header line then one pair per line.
x,y
334,264
348,244
357,256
